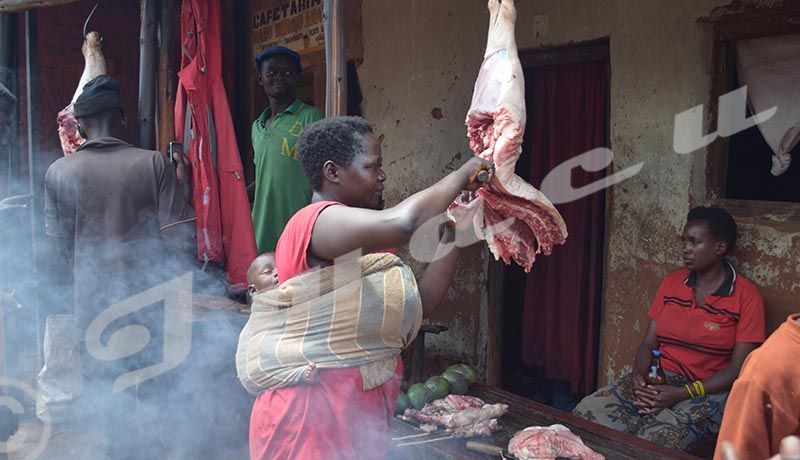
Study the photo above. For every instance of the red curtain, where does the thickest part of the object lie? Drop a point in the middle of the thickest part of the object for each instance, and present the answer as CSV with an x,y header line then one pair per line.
x,y
567,113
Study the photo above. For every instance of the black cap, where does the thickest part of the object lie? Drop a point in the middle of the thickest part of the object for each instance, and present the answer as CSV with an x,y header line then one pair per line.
x,y
100,94
279,51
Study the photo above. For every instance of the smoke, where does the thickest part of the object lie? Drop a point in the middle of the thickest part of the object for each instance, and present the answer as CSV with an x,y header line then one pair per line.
x,y
157,370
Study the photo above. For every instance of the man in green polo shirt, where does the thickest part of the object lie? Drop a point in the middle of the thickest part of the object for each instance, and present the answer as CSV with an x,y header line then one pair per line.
x,y
280,186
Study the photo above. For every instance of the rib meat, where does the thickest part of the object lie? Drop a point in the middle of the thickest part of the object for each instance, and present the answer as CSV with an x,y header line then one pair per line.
x,y
549,443
465,416
94,65
452,403
516,220
462,417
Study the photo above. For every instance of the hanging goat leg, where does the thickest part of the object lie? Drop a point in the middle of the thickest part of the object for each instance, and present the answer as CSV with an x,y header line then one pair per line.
x,y
516,220
95,65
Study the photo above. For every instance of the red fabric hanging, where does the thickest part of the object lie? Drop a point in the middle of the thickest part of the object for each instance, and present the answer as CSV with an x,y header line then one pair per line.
x,y
561,311
224,226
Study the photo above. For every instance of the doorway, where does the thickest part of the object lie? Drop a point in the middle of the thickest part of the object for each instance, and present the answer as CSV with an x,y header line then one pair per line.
x,y
551,316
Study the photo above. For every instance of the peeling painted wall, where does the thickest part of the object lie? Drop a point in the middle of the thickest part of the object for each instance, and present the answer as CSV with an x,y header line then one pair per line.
x,y
420,62
768,256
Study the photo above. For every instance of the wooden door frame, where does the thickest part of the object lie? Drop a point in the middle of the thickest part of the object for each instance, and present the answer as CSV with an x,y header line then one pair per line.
x,y
728,26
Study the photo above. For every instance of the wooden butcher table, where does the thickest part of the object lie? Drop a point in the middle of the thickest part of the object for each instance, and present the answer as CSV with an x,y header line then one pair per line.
x,y
523,413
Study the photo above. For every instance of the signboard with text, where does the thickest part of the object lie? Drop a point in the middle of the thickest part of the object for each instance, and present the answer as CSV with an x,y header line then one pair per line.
x,y
295,24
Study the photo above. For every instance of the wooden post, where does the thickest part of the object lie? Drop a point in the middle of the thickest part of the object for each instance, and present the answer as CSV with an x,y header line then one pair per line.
x,y
494,323
10,158
167,76
417,360
335,61
146,138
35,187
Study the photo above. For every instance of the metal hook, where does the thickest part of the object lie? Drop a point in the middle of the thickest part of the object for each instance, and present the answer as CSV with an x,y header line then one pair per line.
x,y
86,24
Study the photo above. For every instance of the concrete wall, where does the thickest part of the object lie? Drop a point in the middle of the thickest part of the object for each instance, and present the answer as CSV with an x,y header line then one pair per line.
x,y
420,62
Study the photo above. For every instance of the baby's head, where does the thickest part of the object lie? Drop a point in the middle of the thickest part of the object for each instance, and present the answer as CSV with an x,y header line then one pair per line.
x,y
262,274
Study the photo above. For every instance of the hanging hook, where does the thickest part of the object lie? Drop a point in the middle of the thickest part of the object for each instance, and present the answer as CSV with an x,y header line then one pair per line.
x,y
86,24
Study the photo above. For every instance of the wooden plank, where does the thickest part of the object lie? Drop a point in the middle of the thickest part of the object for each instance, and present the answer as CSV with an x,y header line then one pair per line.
x,y
13,6
494,333
148,69
167,79
758,23
717,157
521,414
595,50
417,360
335,59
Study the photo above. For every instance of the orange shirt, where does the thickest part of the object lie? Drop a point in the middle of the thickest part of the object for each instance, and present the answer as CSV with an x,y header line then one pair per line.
x,y
696,341
764,404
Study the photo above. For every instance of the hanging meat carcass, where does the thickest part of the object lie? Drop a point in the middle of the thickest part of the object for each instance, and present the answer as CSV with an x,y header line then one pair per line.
x,y
516,220
94,66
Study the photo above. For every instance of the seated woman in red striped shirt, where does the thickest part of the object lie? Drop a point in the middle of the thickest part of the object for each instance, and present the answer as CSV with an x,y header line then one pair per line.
x,y
704,321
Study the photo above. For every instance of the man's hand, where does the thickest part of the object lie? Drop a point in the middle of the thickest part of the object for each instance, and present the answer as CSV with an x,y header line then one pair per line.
x,y
652,399
184,168
790,450
183,172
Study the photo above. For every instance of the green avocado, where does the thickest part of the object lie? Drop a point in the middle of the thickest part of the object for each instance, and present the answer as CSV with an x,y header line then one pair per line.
x,y
403,403
439,387
458,383
468,372
419,395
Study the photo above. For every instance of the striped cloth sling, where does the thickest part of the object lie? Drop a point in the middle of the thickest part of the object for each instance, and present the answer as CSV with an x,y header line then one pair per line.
x,y
359,312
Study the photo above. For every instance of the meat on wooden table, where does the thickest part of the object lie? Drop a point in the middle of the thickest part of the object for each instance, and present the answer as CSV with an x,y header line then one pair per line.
x,y
550,443
94,66
465,416
516,220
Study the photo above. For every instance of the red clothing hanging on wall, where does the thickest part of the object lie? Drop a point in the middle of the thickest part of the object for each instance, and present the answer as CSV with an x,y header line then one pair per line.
x,y
567,117
224,226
